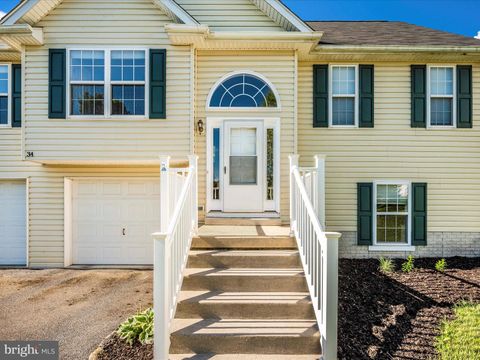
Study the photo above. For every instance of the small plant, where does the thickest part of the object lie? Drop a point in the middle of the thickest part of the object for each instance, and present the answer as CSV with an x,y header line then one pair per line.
x,y
441,265
386,265
138,327
408,265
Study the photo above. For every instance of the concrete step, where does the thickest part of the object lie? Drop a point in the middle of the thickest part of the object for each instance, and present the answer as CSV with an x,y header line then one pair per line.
x,y
244,259
241,357
244,305
237,336
243,242
243,220
241,279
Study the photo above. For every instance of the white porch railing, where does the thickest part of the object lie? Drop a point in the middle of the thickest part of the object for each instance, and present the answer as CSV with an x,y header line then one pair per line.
x,y
178,224
318,249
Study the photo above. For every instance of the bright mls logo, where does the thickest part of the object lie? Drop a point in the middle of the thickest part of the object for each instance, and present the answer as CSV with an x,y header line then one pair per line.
x,y
31,350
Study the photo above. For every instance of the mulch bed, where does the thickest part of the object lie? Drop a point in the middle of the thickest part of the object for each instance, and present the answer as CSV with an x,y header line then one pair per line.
x,y
114,348
397,316
394,316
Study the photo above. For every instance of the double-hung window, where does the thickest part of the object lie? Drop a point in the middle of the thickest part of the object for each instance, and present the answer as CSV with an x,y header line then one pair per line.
x,y
108,83
128,82
392,212
4,95
87,82
343,98
441,89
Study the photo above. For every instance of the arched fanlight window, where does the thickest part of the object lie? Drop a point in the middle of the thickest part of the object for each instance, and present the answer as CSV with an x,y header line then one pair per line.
x,y
243,91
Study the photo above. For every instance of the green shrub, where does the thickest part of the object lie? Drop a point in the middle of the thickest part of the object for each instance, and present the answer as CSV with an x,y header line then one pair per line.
x,y
441,265
459,338
386,265
408,265
138,327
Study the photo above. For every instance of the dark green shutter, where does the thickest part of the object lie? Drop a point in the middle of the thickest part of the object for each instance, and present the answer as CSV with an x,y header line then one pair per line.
x,y
57,74
464,96
366,96
365,213
419,96
158,83
320,95
419,214
16,95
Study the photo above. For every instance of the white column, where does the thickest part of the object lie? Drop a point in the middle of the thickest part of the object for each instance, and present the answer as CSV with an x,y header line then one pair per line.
x,y
164,193
193,162
330,297
293,164
319,200
161,291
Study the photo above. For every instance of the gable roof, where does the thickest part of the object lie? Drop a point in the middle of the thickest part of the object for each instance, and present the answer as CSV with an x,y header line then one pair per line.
x,y
32,11
282,15
386,33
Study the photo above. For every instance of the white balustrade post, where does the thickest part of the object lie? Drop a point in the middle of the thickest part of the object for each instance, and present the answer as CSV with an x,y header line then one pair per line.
x,y
164,193
319,201
193,161
293,217
330,297
161,307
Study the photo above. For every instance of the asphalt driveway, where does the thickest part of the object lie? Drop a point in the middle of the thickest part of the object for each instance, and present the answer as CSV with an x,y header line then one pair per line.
x,y
78,308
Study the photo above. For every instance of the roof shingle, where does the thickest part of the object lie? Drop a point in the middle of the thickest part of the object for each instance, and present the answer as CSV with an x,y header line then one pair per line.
x,y
386,33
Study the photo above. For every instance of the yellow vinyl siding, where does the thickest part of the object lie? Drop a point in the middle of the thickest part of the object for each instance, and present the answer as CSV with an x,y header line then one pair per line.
x,y
279,69
87,24
448,160
78,23
230,15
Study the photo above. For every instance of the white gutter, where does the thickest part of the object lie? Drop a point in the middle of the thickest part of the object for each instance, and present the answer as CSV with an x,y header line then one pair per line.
x,y
279,36
394,48
243,35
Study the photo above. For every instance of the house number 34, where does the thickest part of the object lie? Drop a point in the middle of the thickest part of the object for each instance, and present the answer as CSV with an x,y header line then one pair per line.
x,y
29,154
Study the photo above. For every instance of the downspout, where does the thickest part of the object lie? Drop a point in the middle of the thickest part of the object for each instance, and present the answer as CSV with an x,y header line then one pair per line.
x,y
192,98
295,104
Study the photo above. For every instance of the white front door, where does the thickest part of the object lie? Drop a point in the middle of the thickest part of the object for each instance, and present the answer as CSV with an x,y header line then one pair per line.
x,y
243,166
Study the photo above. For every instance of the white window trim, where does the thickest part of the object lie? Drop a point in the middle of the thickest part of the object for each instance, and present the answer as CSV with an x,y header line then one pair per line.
x,y
9,96
392,246
453,97
108,84
331,96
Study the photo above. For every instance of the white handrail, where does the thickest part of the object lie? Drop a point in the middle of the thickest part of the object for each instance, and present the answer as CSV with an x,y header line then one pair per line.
x,y
318,249
172,245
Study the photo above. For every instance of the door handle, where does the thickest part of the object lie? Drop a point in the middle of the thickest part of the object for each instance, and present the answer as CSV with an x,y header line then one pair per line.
x,y
225,170
123,232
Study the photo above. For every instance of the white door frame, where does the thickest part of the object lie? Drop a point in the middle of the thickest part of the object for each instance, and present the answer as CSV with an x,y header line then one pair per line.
x,y
218,122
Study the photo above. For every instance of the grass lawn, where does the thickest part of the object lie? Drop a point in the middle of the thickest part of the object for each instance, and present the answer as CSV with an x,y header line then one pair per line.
x,y
460,338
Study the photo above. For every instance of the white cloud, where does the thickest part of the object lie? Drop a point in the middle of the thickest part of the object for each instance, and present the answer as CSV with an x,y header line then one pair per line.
x,y
478,35
2,14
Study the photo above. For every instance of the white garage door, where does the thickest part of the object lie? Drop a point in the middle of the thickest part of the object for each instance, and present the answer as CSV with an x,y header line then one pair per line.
x,y
113,220
13,234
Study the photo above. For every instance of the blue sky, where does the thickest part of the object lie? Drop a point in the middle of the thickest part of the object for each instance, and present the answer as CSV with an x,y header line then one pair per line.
x,y
459,16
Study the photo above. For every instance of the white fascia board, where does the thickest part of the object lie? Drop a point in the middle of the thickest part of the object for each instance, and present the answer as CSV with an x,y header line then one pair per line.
x,y
17,13
178,11
289,15
13,16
